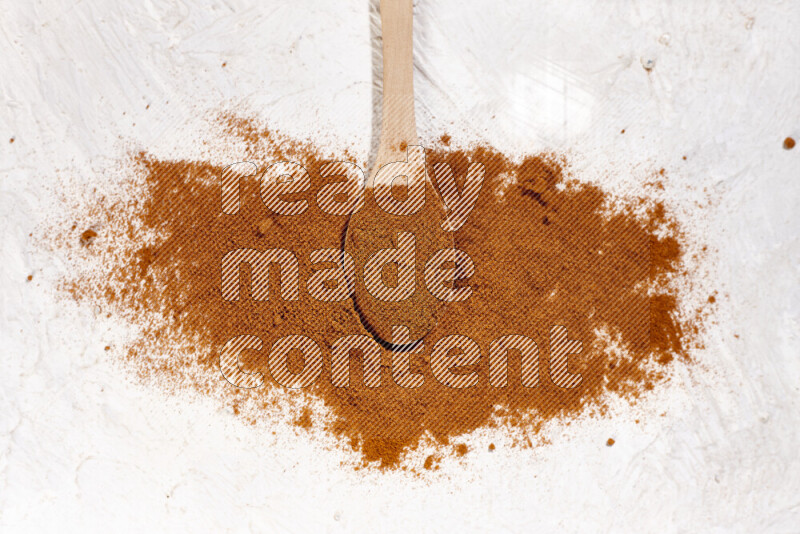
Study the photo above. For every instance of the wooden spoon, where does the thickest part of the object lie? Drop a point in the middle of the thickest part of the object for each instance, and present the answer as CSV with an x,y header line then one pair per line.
x,y
372,228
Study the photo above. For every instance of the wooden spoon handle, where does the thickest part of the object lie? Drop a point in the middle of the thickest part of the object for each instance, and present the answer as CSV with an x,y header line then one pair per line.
x,y
398,126
379,227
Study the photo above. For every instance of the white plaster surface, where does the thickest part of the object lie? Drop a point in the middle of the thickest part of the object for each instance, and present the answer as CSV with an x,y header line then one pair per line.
x,y
83,447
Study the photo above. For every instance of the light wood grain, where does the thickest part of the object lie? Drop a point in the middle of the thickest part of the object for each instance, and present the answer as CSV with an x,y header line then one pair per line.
x,y
398,124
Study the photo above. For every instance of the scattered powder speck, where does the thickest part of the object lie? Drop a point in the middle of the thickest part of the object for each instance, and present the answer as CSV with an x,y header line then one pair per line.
x,y
431,462
88,237
304,421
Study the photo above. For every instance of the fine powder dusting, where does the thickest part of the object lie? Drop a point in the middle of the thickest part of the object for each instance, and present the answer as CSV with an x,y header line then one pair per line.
x,y
548,250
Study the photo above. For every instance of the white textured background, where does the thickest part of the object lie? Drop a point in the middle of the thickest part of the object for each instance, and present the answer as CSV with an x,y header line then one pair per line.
x,y
83,447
